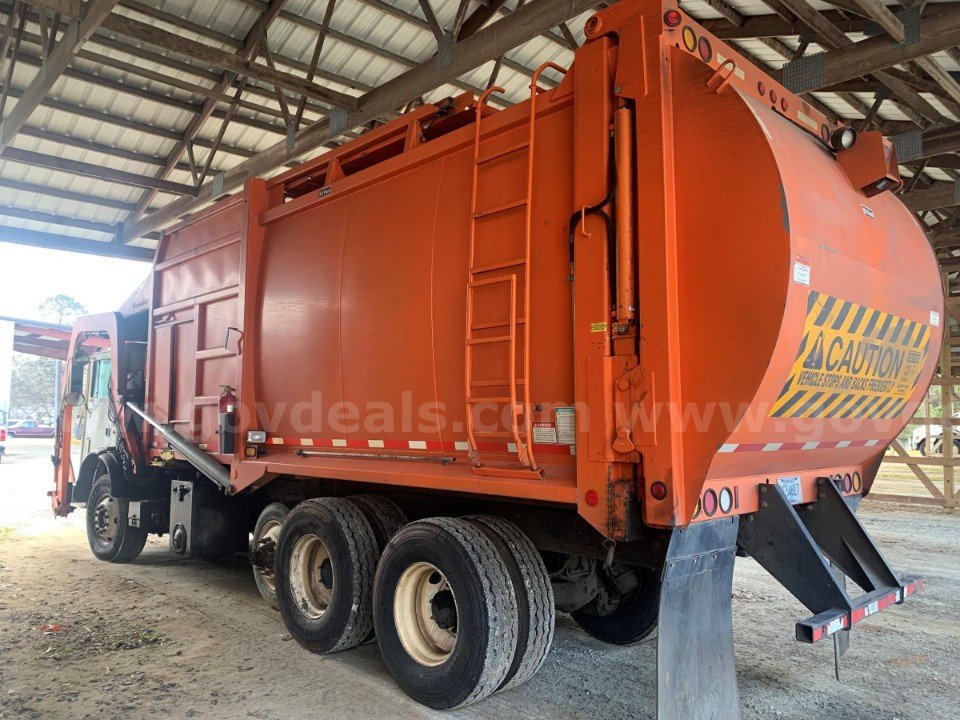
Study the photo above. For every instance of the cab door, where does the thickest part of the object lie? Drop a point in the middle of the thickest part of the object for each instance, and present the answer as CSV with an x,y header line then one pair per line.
x,y
99,431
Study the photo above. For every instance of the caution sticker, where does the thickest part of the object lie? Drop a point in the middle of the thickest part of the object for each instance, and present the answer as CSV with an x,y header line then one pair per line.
x,y
853,362
545,433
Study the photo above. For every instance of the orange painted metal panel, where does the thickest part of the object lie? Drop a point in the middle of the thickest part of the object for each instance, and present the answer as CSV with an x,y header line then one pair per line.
x,y
772,295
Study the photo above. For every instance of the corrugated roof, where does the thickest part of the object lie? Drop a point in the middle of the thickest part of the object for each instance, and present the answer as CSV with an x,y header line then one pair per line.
x,y
124,104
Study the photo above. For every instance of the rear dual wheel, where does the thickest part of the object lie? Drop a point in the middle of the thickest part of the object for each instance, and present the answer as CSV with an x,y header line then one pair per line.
x,y
462,608
326,556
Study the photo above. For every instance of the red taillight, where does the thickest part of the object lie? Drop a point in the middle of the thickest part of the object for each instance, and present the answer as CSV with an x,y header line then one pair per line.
x,y
672,18
3,434
658,490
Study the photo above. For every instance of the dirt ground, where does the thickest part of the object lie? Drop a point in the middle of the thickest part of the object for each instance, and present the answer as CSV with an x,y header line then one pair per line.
x,y
166,637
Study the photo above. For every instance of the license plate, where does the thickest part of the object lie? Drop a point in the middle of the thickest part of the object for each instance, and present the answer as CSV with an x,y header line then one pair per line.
x,y
791,488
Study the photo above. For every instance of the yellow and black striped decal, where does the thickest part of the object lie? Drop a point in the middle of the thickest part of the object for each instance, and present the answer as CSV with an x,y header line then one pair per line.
x,y
853,362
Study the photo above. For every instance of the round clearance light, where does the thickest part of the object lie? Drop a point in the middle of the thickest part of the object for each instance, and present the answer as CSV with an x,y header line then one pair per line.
x,y
689,38
726,500
704,49
857,482
784,104
847,483
761,88
825,133
773,96
843,138
710,503
658,490
591,498
672,18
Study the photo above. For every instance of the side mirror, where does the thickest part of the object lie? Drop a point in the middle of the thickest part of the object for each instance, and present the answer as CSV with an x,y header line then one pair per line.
x,y
73,399
80,361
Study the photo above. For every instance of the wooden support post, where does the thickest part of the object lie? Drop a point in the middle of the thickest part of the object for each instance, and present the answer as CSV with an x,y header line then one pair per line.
x,y
946,404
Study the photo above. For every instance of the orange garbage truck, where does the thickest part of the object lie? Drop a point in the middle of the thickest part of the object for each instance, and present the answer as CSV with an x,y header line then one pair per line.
x,y
480,366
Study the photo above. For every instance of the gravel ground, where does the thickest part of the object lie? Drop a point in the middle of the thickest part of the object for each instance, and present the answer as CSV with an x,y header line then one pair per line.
x,y
167,637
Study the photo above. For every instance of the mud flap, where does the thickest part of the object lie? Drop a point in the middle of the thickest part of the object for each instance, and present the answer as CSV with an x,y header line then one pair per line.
x,y
696,677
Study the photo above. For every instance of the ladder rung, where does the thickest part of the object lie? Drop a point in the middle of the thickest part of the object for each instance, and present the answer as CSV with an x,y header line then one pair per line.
x,y
489,340
500,153
499,209
499,266
498,323
491,281
494,383
491,398
492,433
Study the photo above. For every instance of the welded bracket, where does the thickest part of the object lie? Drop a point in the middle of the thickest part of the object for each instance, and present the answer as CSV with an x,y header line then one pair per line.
x,y
696,676
794,544
777,539
843,539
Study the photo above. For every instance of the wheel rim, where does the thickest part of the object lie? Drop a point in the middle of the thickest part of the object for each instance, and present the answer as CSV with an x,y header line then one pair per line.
x,y
425,614
270,532
311,576
106,520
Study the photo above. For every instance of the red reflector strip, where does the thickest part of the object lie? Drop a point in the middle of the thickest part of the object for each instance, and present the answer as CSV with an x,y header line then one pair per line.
x,y
826,629
431,445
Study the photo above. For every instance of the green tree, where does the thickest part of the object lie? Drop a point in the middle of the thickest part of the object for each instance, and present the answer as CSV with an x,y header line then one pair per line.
x,y
32,387
63,308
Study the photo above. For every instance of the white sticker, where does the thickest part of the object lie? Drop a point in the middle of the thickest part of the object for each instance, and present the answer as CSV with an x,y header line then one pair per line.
x,y
791,488
545,433
934,318
566,426
801,271
868,212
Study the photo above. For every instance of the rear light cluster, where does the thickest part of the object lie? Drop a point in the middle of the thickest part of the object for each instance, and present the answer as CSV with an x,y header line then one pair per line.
x,y
714,502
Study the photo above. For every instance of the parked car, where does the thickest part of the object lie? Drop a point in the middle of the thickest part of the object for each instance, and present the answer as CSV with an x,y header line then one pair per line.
x,y
29,428
918,440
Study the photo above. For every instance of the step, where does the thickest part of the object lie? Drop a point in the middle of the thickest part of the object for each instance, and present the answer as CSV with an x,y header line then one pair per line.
x,y
500,153
491,281
498,323
489,340
490,398
499,209
495,383
499,266
493,434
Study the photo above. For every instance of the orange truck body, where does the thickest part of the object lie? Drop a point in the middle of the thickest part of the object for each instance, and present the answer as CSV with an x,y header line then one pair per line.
x,y
653,297
757,316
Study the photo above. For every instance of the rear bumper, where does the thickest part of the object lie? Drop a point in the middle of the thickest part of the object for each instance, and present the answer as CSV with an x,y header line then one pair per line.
x,y
825,624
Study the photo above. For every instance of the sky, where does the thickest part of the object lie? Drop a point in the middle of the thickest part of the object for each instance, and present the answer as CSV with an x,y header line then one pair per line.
x,y
29,275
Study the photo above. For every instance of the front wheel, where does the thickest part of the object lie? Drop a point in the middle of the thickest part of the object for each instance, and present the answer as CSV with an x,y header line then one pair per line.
x,y
109,534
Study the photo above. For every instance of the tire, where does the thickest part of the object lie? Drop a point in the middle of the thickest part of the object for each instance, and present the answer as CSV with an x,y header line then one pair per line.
x,y
325,562
268,528
110,538
463,651
536,615
922,447
634,620
384,516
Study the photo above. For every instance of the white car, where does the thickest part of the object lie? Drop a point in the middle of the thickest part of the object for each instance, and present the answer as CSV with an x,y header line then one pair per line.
x,y
918,439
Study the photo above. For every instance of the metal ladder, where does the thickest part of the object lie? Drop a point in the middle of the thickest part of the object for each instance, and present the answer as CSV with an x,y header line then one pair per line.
x,y
507,274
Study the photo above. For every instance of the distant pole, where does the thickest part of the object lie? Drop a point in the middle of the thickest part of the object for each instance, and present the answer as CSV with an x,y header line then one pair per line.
x,y
56,391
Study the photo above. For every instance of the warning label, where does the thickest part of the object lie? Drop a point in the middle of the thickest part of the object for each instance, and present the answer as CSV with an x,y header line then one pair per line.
x,y
566,426
545,433
853,362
